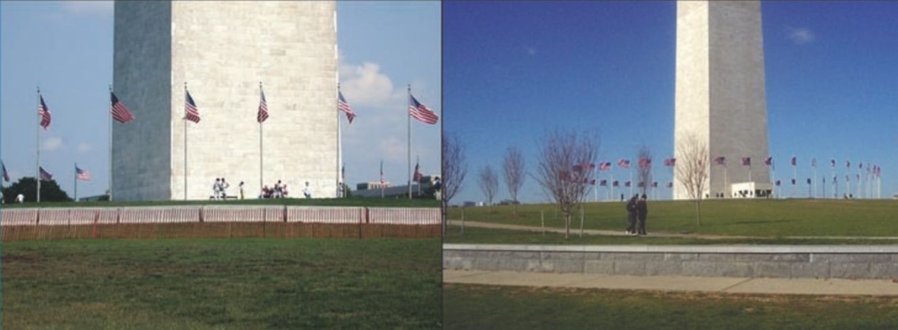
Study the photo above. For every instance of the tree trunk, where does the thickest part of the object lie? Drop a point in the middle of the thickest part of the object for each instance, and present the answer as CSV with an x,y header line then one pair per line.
x,y
698,213
567,225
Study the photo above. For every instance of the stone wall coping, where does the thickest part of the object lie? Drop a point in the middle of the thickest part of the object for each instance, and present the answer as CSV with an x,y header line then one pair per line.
x,y
677,248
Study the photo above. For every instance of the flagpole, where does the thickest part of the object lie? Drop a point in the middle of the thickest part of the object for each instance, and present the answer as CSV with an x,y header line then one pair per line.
x,y
261,166
75,180
409,148
110,148
37,131
185,147
814,180
340,191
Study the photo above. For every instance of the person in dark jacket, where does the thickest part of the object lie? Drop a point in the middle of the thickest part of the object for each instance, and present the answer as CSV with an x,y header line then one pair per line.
x,y
642,212
631,215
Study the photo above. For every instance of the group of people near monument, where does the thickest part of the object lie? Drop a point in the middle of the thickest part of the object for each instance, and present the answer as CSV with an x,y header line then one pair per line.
x,y
279,190
637,213
220,188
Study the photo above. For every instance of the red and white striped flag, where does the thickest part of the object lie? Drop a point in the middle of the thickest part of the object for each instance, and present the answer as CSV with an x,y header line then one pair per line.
x,y
119,112
44,112
263,107
193,114
421,112
45,176
82,174
342,105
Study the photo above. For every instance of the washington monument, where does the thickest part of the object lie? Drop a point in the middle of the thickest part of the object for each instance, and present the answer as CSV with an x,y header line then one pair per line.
x,y
224,53
720,97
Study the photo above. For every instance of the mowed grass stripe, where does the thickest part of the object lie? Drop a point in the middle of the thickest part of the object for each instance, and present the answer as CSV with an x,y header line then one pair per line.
x,y
772,218
356,201
495,307
229,283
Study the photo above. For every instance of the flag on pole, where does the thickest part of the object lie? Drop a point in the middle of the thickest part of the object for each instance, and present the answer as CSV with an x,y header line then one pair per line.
x,y
343,173
615,184
623,163
45,176
655,184
847,164
720,160
417,174
44,112
794,160
832,162
342,105
670,184
262,115
119,111
670,162
5,173
381,172
813,162
603,183
193,114
746,161
768,161
778,182
605,166
627,184
81,174
645,163
420,111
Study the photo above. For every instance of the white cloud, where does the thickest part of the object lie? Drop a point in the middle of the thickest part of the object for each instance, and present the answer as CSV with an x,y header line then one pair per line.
x,y
365,85
84,147
801,36
88,7
51,144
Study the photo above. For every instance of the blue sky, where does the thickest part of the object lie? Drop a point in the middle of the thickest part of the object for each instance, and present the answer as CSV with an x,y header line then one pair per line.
x,y
66,49
608,67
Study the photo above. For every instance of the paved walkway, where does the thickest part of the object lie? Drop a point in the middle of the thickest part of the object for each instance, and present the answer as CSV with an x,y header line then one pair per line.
x,y
490,225
677,283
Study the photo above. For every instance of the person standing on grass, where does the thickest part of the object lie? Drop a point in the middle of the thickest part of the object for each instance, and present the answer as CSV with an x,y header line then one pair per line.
x,y
642,212
631,215
306,191
216,188
241,190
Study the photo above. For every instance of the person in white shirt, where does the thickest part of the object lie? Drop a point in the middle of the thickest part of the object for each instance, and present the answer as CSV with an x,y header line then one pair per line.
x,y
20,198
307,191
224,188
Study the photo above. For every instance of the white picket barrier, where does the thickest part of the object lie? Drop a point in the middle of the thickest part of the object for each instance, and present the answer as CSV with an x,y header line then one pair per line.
x,y
82,216
404,216
329,215
240,213
54,217
108,215
159,215
18,217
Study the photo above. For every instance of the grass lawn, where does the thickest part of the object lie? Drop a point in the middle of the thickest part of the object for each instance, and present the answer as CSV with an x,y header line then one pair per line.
x,y
355,201
771,218
222,283
495,307
475,235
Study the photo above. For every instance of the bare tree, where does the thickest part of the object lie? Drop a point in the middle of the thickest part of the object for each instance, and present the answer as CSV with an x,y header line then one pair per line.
x,y
454,166
513,169
489,183
644,155
563,169
693,166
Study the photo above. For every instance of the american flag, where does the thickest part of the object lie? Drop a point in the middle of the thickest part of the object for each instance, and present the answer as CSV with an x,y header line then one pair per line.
x,y
45,176
670,184
190,107
832,162
83,175
627,184
420,111
417,174
603,183
623,163
778,182
645,163
263,107
746,161
720,160
847,163
768,161
5,173
44,112
615,184
670,162
794,160
605,166
655,184
813,162
381,172
119,111
342,105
